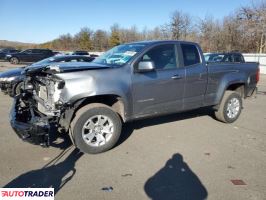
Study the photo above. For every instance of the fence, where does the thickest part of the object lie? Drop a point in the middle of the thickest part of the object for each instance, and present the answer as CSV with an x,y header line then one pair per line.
x,y
253,57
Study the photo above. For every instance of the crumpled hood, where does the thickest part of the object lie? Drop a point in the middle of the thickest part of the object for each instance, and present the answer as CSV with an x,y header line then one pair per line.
x,y
53,68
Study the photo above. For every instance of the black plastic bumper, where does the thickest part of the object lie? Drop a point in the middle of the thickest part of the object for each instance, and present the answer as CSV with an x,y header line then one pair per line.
x,y
28,126
4,87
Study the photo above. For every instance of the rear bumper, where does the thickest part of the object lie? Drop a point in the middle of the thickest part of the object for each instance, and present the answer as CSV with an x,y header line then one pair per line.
x,y
28,126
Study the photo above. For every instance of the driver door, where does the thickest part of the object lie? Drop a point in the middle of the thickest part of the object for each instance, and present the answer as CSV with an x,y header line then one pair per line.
x,y
160,90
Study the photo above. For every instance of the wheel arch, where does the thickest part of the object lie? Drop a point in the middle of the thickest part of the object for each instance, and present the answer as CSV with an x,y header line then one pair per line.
x,y
114,102
235,81
238,86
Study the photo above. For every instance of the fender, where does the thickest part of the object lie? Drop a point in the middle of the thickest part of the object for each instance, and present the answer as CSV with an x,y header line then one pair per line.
x,y
236,77
93,83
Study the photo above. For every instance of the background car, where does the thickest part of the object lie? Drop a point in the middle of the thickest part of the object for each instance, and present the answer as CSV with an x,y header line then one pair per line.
x,y
11,80
224,57
64,58
5,51
94,55
29,55
80,53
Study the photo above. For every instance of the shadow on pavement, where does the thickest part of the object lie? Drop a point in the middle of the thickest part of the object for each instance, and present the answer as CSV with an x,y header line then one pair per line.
x,y
54,174
175,181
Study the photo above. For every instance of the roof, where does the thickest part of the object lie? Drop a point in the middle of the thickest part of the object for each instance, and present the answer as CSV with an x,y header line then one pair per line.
x,y
158,42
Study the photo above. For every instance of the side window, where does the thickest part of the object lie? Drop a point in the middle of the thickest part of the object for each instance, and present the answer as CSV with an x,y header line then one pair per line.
x,y
73,60
45,51
28,51
163,56
238,58
191,54
36,51
229,58
65,60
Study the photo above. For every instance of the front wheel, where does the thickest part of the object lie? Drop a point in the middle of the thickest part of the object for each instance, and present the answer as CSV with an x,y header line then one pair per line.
x,y
230,107
96,128
17,88
14,60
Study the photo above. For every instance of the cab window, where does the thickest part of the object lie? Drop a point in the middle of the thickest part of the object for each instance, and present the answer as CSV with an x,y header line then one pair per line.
x,y
163,57
238,58
190,54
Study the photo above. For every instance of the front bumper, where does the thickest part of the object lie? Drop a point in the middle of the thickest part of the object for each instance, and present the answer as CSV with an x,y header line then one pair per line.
x,y
28,126
5,87
7,58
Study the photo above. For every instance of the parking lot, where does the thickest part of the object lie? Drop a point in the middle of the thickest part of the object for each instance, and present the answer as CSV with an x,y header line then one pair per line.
x,y
181,156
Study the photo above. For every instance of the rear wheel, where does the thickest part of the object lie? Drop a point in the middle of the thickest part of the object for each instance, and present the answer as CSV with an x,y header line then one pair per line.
x,y
96,128
230,107
14,60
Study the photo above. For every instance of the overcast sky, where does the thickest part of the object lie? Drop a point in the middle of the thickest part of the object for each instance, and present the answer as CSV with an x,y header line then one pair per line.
x,y
43,20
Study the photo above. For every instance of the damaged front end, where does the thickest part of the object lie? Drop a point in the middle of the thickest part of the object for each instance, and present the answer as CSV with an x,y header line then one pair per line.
x,y
45,105
36,111
28,125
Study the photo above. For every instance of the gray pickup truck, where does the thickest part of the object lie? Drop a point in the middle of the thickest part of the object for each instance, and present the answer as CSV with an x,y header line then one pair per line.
x,y
90,101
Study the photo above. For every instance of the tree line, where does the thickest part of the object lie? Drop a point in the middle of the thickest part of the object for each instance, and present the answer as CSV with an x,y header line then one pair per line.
x,y
244,30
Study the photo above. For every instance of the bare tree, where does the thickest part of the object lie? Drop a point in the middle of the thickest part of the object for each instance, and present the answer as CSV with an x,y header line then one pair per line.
x,y
180,25
253,20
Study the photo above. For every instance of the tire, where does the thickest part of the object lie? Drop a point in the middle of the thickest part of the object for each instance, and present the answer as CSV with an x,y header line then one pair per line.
x,y
14,60
95,138
16,89
229,108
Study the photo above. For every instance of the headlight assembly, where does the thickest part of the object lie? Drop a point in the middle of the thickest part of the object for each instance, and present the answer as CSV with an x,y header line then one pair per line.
x,y
8,79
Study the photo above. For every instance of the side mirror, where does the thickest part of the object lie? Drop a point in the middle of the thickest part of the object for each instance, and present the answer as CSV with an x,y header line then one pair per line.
x,y
145,66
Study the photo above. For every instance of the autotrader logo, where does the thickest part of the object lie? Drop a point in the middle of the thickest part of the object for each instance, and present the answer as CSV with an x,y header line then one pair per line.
x,y
27,193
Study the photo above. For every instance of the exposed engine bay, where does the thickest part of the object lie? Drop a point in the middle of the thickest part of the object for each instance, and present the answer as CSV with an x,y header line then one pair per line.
x,y
37,109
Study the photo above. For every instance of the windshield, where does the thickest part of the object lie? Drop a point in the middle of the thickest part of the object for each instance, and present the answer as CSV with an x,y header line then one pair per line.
x,y
119,55
47,60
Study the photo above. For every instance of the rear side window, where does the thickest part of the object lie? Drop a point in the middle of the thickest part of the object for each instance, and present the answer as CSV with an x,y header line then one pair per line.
x,y
45,51
13,51
36,51
238,58
28,51
190,54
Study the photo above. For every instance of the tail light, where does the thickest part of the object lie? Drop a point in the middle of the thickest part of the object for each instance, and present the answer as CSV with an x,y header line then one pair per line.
x,y
258,75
